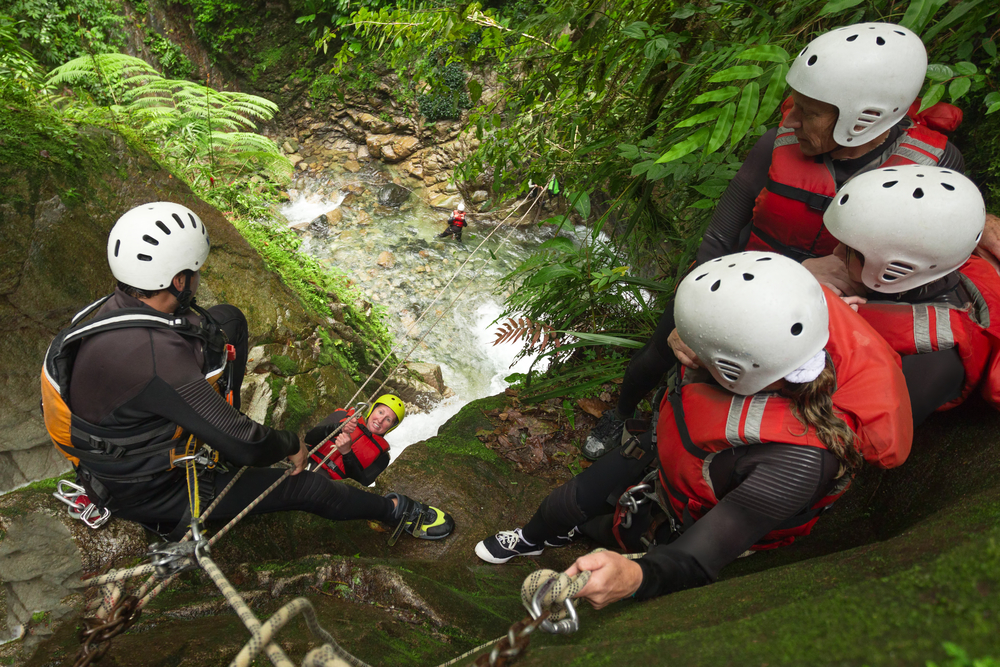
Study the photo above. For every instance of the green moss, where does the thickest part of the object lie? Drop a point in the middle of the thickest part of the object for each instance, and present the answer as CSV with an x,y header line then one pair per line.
x,y
457,436
267,59
298,410
284,364
49,485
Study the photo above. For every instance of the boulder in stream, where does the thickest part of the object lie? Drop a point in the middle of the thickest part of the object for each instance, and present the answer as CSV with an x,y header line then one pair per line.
x,y
392,195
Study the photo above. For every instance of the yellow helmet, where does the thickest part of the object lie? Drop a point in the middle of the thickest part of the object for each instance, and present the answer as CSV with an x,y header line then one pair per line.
x,y
394,404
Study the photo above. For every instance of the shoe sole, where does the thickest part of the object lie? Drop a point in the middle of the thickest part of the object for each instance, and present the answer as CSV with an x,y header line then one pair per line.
x,y
485,555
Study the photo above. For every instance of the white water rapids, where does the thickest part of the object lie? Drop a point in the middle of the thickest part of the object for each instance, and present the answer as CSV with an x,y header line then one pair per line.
x,y
462,341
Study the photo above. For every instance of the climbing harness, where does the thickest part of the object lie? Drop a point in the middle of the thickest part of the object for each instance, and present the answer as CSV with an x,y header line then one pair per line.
x,y
79,505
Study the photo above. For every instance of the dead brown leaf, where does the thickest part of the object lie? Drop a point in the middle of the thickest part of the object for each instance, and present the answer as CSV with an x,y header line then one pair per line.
x,y
592,406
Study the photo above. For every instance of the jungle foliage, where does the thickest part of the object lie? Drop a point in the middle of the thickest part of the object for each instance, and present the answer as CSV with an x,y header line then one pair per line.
x,y
643,110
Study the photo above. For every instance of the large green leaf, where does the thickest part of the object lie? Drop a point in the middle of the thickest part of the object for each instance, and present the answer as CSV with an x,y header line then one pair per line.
x,y
772,96
835,6
746,111
558,243
766,52
933,96
718,95
702,117
919,13
581,202
604,339
959,87
722,128
689,145
951,17
938,72
736,73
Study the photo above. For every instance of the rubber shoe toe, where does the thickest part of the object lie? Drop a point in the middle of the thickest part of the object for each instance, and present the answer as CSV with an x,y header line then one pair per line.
x,y
503,546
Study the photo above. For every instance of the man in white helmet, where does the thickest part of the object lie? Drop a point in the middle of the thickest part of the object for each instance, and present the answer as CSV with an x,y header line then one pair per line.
x,y
799,393
851,88
145,383
909,233
456,223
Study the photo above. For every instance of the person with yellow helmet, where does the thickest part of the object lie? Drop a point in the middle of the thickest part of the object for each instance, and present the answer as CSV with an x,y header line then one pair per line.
x,y
359,451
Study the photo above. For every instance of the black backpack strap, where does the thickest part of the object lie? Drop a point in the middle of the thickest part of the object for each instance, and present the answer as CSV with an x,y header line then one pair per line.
x,y
677,403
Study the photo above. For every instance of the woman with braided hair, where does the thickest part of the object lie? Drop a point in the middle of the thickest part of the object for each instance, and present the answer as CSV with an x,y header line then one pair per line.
x,y
795,391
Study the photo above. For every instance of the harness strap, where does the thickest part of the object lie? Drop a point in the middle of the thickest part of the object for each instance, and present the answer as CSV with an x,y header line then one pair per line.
x,y
678,405
100,441
788,251
113,454
813,200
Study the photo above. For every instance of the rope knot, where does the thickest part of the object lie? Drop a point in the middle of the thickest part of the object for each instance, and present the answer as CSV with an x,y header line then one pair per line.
x,y
550,591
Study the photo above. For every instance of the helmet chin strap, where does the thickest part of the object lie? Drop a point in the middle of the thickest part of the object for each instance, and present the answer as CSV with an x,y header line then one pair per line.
x,y
184,296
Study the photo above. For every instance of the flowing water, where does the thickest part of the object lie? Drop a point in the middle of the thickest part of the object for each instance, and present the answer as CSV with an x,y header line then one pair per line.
x,y
420,267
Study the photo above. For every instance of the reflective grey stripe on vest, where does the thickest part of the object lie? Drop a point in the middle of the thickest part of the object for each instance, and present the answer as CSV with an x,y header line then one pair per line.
x,y
924,146
942,327
980,312
922,328
755,416
707,475
915,156
786,138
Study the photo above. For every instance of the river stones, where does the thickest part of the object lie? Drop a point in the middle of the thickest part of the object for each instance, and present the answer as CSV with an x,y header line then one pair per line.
x,y
392,195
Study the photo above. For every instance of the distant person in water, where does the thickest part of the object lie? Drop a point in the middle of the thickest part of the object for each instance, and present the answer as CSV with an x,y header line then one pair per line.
x,y
360,450
455,223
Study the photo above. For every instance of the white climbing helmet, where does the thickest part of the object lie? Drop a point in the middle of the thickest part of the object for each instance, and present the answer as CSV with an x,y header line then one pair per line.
x,y
152,243
871,72
752,318
913,224
461,206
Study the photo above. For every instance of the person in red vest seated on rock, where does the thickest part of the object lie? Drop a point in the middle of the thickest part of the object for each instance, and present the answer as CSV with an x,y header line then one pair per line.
x,y
909,233
796,393
851,89
456,223
360,450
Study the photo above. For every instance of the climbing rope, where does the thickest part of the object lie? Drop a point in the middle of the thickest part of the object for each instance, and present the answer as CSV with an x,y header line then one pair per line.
x,y
171,559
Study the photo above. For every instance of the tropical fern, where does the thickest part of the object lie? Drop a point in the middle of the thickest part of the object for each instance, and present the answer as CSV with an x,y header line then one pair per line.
x,y
531,332
204,134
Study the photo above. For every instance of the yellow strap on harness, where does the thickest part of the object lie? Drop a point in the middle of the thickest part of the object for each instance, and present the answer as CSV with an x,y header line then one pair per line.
x,y
191,470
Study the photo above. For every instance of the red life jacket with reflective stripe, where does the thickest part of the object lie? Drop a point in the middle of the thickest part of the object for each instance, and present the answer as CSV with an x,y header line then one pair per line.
x,y
929,327
458,218
788,213
364,444
871,398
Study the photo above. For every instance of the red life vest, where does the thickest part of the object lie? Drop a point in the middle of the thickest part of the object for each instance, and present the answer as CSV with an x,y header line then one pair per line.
x,y
458,218
364,444
871,397
788,214
929,327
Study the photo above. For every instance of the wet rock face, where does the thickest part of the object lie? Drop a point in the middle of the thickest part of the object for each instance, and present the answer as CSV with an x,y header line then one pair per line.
x,y
393,195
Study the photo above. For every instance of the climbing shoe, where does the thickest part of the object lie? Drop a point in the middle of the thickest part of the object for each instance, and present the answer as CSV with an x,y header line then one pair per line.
x,y
422,521
562,540
605,436
506,544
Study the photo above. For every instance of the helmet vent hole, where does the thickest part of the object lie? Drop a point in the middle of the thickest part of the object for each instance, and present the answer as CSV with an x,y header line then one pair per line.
x,y
163,227
700,277
948,187
144,258
896,270
756,365
934,266
843,200
889,184
880,41
918,193
979,236
748,277
797,328
852,38
889,170
118,245
148,239
715,286
194,225
920,175
812,61
731,265
180,223
900,32
764,259
730,370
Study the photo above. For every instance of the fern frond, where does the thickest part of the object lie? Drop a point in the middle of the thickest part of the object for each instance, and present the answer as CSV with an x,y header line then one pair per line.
x,y
523,328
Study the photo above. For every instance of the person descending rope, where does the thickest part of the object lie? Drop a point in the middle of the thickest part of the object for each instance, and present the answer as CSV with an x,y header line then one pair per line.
x,y
842,120
909,233
137,391
799,392
455,223
359,451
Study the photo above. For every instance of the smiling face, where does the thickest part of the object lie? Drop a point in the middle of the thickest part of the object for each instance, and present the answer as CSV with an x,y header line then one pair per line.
x,y
381,419
813,122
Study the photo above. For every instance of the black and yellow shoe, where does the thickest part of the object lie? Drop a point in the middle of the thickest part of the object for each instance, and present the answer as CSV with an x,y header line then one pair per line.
x,y
422,521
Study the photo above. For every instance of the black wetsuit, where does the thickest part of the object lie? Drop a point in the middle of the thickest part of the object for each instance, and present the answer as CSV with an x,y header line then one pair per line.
x,y
132,376
729,228
455,228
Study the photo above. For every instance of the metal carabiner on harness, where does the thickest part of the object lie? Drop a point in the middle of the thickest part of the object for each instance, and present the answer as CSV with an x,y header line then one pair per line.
x,y
170,558
563,627
79,505
631,500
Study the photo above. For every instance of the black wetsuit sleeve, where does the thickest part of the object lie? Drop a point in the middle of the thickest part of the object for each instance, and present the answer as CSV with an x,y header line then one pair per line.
x,y
952,158
778,482
648,365
199,409
354,470
729,228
